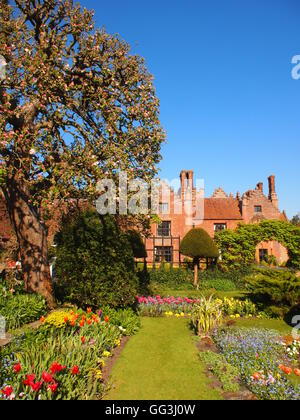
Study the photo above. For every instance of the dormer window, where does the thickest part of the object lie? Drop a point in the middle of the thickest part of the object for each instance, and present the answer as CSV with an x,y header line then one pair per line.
x,y
257,209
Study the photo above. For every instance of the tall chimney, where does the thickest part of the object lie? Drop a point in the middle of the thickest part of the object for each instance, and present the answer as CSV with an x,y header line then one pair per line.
x,y
186,180
182,181
260,186
272,191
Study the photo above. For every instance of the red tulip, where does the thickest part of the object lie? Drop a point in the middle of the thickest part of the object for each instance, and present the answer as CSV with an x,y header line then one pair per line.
x,y
17,368
47,377
7,391
53,387
75,370
56,368
106,319
36,386
83,340
29,380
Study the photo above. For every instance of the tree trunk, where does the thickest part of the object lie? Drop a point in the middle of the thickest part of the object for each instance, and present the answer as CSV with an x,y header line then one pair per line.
x,y
32,239
196,263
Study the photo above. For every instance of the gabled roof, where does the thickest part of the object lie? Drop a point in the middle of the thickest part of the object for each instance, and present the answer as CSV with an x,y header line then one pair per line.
x,y
222,209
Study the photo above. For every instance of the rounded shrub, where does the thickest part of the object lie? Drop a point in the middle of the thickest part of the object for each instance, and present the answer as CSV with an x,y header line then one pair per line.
x,y
95,264
198,244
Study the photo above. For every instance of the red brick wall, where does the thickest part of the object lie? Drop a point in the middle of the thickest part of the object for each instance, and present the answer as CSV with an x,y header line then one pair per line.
x,y
274,248
257,198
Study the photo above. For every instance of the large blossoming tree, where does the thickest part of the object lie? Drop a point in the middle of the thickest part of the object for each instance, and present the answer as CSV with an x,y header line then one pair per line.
x,y
75,107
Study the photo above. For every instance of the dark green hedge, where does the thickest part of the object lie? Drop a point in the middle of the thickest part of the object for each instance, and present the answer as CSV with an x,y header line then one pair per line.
x,y
95,264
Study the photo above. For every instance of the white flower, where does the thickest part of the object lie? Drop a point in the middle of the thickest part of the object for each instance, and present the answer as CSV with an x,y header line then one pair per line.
x,y
32,151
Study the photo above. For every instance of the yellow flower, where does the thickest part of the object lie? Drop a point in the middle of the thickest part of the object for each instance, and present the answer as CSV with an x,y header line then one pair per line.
x,y
99,374
238,316
106,354
182,314
177,316
101,362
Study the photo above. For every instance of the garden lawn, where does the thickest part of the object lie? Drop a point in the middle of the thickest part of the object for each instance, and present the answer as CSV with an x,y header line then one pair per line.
x,y
269,324
161,363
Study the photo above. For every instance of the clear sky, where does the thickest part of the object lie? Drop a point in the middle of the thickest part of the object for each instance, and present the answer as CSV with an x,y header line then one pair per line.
x,y
222,72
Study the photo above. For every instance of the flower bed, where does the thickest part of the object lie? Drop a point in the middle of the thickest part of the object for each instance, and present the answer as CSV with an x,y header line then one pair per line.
x,y
159,306
64,359
263,360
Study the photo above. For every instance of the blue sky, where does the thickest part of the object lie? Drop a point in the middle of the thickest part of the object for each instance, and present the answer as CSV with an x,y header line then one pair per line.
x,y
222,72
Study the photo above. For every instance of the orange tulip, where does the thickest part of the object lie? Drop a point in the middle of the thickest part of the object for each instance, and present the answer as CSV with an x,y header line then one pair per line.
x,y
89,310
286,369
66,319
81,323
297,372
89,321
256,376
42,319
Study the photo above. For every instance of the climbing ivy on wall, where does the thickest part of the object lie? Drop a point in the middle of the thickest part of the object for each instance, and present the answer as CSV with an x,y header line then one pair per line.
x,y
238,246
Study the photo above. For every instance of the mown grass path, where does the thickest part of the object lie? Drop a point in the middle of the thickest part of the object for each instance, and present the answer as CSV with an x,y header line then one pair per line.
x,y
161,362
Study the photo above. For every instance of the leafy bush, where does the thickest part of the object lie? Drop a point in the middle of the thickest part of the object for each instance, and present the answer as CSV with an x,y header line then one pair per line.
x,y
175,279
235,276
206,315
57,319
95,264
125,319
21,309
238,247
222,285
137,244
227,374
275,288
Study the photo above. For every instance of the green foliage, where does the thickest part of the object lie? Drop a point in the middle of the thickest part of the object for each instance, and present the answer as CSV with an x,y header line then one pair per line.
x,y
174,278
125,319
276,288
238,247
206,315
95,264
198,244
21,309
137,244
227,374
222,285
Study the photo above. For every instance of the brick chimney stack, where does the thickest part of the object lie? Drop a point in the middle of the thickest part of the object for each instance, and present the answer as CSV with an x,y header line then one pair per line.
x,y
272,191
186,180
260,186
